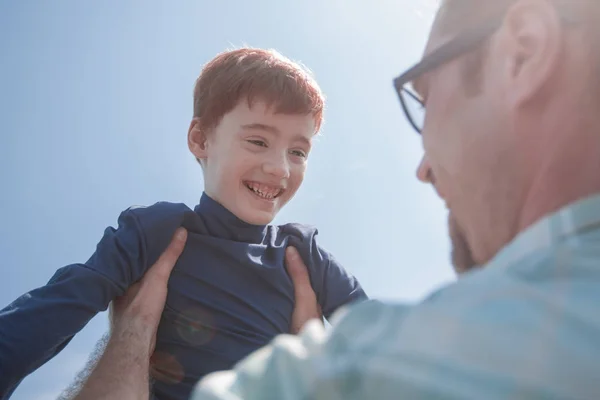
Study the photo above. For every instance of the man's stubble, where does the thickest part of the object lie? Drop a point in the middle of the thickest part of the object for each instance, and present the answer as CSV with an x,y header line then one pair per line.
x,y
462,257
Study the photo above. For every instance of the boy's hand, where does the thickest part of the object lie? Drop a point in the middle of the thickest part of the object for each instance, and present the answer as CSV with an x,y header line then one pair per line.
x,y
135,315
306,306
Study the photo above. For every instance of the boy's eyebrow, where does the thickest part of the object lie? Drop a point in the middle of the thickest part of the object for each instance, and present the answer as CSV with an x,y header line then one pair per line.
x,y
274,130
262,127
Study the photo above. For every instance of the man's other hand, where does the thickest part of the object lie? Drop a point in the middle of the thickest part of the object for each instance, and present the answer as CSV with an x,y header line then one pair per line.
x,y
305,300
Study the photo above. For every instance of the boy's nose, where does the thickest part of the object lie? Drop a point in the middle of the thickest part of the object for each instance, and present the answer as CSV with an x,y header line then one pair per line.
x,y
279,168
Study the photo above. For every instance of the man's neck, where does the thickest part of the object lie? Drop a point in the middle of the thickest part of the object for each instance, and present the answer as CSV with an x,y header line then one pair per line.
x,y
570,171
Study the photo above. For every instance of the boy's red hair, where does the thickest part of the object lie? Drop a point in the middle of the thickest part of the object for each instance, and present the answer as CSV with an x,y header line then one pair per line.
x,y
255,74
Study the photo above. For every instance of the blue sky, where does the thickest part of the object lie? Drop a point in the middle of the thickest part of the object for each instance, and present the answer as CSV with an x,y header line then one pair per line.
x,y
96,98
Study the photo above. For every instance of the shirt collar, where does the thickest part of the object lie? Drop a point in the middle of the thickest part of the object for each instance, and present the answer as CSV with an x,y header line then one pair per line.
x,y
572,220
222,223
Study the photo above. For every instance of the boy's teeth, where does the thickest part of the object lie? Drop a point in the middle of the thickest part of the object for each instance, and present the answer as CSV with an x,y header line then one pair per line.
x,y
264,191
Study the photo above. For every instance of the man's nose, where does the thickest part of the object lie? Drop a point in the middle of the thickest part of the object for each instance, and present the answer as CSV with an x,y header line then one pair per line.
x,y
424,173
277,166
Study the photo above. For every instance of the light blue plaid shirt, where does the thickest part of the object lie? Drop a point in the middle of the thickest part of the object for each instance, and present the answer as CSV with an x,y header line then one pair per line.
x,y
527,326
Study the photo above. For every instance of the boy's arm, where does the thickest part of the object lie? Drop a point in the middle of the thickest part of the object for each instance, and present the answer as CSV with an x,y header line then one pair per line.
x,y
39,324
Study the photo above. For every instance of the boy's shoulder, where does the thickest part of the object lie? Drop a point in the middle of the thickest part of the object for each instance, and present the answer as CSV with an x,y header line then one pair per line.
x,y
161,216
304,232
157,223
304,238
160,209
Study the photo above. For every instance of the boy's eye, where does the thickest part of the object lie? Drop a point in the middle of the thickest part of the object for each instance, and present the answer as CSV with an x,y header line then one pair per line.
x,y
299,153
257,142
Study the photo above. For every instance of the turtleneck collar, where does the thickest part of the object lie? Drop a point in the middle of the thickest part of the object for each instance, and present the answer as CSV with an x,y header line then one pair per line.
x,y
222,223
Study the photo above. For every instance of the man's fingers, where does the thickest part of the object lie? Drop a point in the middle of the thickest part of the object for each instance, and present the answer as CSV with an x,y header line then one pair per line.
x,y
299,273
306,306
140,308
154,283
161,270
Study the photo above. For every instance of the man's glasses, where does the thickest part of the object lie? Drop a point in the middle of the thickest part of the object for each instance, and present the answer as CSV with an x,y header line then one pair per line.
x,y
412,104
413,107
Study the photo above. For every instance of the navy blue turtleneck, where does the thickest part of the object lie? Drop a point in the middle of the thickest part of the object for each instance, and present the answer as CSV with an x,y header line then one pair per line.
x,y
229,293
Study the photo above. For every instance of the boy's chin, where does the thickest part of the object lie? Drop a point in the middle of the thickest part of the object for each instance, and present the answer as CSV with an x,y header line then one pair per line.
x,y
257,217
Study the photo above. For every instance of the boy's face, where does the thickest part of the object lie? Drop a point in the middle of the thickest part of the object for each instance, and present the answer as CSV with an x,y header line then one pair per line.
x,y
254,160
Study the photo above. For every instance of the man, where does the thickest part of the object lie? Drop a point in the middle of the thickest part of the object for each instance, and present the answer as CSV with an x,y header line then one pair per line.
x,y
512,144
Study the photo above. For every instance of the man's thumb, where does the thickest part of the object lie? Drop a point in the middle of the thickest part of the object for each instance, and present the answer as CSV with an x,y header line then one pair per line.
x,y
298,271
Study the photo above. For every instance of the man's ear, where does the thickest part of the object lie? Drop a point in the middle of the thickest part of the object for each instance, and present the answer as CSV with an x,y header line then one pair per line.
x,y
197,140
533,39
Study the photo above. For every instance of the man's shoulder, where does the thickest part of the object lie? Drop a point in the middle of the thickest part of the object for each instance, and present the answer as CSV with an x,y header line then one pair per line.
x,y
367,324
369,311
496,319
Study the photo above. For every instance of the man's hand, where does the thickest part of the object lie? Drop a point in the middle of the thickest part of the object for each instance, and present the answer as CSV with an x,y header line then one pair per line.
x,y
306,306
140,308
123,370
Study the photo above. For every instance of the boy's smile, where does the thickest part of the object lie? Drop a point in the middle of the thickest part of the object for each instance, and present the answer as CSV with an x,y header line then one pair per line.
x,y
263,198
254,160
264,191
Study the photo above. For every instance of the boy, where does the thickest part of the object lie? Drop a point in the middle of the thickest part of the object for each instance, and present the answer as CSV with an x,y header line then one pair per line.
x,y
255,114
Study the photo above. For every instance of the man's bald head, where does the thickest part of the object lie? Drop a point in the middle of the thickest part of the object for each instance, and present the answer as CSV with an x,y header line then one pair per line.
x,y
456,16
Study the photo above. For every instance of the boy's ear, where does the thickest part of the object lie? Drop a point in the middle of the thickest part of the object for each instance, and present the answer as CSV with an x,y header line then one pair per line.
x,y
197,140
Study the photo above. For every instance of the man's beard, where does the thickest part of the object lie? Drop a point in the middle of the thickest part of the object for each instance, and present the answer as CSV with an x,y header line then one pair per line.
x,y
462,257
